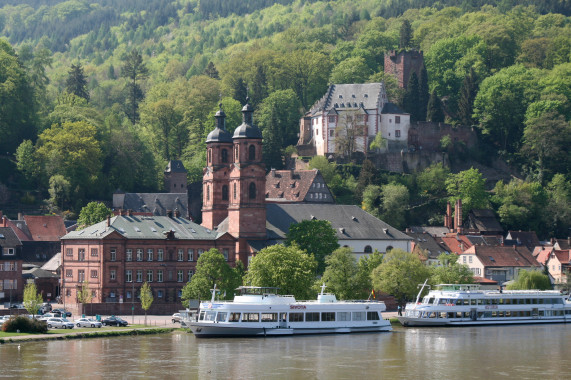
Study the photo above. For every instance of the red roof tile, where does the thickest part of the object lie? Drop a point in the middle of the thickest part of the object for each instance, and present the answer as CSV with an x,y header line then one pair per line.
x,y
494,256
541,254
293,185
45,228
456,243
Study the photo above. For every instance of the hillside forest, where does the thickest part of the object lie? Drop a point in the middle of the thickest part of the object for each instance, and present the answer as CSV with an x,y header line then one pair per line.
x,y
99,95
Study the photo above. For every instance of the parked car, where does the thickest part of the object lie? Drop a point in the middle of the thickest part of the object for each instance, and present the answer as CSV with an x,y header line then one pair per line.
x,y
87,322
176,317
62,313
4,318
46,307
17,306
114,321
59,323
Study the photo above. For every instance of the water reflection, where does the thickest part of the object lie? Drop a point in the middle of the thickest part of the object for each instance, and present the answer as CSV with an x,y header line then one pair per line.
x,y
526,352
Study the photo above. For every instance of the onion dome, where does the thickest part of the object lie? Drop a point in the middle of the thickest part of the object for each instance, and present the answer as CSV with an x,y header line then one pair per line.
x,y
219,134
247,130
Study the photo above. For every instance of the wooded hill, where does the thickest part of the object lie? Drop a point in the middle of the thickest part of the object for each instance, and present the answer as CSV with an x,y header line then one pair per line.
x,y
137,83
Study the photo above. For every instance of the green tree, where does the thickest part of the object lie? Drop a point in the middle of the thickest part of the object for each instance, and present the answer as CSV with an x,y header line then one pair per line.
x,y
211,269
372,200
93,212
340,274
365,267
84,295
528,280
32,299
288,268
278,118
411,99
146,296
468,185
558,213
25,160
423,95
451,272
134,70
367,176
395,198
316,237
76,83
431,181
351,70
211,71
434,109
405,34
468,93
59,191
399,275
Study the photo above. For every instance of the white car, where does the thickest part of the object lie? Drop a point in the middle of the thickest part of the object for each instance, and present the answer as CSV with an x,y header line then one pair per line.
x,y
87,322
59,323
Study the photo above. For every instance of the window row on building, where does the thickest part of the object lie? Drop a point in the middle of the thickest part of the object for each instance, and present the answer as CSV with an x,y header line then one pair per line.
x,y
9,266
150,254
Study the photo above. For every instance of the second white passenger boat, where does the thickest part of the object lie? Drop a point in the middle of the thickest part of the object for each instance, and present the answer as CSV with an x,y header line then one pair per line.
x,y
260,311
467,305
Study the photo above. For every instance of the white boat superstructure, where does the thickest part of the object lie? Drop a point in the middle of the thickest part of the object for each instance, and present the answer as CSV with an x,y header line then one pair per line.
x,y
465,305
260,311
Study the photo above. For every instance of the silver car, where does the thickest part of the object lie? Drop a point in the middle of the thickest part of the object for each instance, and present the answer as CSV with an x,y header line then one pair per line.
x,y
59,323
87,322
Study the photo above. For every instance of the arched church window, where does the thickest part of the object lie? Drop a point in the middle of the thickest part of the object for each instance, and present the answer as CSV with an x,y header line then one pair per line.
x,y
209,156
234,191
236,153
224,192
207,193
252,153
224,155
252,190
368,249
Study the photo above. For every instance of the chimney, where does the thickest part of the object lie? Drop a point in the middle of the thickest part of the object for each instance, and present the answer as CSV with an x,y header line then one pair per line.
x,y
273,172
448,217
108,220
169,213
129,212
4,224
20,216
120,212
458,216
176,213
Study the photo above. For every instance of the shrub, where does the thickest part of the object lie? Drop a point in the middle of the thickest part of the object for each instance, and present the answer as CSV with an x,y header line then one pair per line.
x,y
25,325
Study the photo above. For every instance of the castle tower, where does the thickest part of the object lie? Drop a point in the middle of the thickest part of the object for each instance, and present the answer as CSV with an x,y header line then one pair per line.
x,y
175,177
247,207
217,173
403,63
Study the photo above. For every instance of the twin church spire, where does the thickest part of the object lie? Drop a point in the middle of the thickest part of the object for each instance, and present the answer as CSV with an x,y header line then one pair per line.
x,y
234,178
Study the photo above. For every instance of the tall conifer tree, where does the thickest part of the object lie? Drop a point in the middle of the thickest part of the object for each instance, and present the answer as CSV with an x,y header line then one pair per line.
x,y
76,82
467,95
411,98
435,112
423,94
405,35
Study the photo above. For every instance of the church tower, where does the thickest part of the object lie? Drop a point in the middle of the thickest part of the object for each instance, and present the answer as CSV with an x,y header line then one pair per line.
x,y
247,207
216,174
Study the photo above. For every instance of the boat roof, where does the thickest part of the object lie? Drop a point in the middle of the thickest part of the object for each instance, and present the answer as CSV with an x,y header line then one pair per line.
x,y
257,290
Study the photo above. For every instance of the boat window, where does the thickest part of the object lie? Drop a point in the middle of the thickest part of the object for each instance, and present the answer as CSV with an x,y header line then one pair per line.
x,y
221,317
442,301
343,316
443,315
431,301
425,300
372,316
528,301
312,317
296,317
508,301
234,317
494,301
269,317
458,314
501,301
540,301
500,314
210,316
508,313
432,314
201,317
451,315
480,302
328,317
250,317
494,314
358,315
472,302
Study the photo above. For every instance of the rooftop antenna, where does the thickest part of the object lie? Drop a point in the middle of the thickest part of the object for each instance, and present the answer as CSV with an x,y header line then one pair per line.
x,y
213,293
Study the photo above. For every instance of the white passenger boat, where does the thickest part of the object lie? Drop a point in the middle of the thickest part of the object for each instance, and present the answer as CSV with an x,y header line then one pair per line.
x,y
467,305
260,311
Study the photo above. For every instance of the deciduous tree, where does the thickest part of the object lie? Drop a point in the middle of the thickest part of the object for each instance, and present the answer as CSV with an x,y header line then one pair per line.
x,y
340,274
451,272
288,268
528,280
32,298
93,212
467,185
211,269
146,296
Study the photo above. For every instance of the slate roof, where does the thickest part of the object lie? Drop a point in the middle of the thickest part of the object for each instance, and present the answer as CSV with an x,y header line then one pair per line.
x,y
38,273
432,230
391,108
427,242
53,264
484,220
349,222
157,203
293,185
562,243
492,256
527,238
366,95
145,227
8,238
247,130
39,252
175,166
45,227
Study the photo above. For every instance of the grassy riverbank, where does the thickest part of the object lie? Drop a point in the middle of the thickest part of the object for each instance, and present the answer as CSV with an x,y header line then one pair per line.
x,y
83,333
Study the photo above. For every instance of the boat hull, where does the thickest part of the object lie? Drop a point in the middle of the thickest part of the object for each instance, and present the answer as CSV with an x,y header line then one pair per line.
x,y
202,330
425,322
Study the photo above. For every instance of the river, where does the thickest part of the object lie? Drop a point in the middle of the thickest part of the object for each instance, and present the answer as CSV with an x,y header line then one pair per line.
x,y
514,352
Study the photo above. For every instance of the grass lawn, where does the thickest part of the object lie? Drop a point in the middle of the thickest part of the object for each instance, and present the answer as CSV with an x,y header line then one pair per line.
x,y
74,330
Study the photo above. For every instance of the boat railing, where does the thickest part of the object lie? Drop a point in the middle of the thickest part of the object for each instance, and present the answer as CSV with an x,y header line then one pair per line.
x,y
525,292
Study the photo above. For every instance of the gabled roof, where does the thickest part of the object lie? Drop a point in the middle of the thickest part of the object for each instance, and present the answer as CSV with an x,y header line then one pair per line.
x,y
494,256
432,230
38,273
145,227
456,243
45,227
562,243
391,108
427,242
175,166
293,185
563,256
351,96
527,238
20,229
541,254
156,203
349,222
484,220
53,264
8,238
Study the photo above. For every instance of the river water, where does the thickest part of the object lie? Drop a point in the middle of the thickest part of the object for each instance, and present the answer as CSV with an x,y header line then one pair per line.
x,y
510,352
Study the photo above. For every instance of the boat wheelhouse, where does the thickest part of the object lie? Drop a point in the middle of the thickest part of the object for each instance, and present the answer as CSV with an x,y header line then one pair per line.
x,y
260,311
466,305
